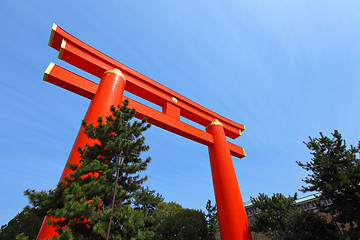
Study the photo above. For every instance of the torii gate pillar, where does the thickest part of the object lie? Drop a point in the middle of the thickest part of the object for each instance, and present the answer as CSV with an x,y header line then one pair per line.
x,y
110,92
231,211
230,206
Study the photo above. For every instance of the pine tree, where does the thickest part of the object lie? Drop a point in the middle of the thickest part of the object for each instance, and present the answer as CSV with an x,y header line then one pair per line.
x,y
335,172
148,200
279,218
28,222
271,220
81,203
212,219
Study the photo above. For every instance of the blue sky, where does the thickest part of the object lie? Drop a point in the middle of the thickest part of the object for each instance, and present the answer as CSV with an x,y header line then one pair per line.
x,y
285,69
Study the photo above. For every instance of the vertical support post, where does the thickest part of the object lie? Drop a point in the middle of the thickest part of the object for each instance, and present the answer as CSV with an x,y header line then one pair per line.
x,y
110,92
231,211
171,110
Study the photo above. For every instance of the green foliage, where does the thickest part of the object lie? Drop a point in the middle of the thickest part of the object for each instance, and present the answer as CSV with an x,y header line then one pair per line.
x,y
335,172
66,235
185,224
27,222
172,221
212,219
146,199
22,237
165,210
82,202
279,218
274,210
309,226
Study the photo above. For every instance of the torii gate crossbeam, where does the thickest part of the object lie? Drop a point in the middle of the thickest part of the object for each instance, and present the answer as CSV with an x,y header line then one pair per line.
x,y
115,79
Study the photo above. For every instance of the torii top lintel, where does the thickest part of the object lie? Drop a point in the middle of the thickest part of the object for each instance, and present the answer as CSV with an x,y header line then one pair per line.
x,y
174,105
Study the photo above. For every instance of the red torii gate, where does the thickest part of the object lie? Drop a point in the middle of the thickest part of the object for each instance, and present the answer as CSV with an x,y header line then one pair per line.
x,y
114,79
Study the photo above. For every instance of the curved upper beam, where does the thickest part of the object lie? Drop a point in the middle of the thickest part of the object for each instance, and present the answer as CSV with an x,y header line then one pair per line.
x,y
81,55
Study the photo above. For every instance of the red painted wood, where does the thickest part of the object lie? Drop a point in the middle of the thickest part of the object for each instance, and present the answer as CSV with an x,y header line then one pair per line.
x,y
109,92
172,110
86,88
232,216
91,60
46,231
